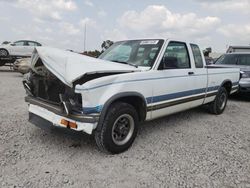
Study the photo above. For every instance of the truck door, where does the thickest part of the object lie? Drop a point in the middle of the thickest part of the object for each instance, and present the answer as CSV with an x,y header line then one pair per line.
x,y
200,78
177,87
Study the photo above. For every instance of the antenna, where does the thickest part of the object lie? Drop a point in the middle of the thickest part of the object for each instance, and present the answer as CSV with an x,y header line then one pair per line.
x,y
85,34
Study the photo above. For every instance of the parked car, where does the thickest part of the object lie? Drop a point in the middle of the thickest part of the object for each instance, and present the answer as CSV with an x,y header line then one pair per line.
x,y
239,60
21,48
22,65
133,81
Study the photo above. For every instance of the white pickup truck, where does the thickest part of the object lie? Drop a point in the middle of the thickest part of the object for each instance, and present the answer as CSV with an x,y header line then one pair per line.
x,y
131,82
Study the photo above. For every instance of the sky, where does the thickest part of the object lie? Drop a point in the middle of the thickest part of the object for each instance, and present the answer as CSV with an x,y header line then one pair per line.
x,y
60,23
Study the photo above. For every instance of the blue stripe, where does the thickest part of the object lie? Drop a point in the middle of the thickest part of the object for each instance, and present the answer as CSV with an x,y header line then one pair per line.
x,y
147,79
161,98
91,110
171,96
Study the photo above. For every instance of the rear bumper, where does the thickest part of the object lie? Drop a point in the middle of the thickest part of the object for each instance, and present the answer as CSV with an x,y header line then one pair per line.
x,y
53,116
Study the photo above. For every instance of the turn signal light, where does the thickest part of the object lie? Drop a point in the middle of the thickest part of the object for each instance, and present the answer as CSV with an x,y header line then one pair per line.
x,y
73,125
68,124
64,122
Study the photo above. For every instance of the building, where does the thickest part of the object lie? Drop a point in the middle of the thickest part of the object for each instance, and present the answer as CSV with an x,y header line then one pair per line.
x,y
238,49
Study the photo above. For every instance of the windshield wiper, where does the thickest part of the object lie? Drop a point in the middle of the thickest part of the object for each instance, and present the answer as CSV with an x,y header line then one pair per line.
x,y
123,62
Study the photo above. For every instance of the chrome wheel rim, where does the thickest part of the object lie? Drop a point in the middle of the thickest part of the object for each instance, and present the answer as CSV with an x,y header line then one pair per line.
x,y
222,100
123,129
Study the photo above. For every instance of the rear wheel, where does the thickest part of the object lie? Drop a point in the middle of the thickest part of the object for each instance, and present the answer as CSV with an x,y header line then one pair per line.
x,y
3,53
219,104
119,128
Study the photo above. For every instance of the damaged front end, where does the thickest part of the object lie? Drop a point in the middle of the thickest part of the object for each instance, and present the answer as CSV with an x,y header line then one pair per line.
x,y
46,88
52,101
50,87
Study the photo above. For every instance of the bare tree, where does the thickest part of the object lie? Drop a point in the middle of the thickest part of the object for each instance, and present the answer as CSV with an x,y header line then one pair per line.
x,y
106,44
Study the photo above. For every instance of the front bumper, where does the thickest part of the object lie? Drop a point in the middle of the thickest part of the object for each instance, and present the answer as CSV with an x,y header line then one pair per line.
x,y
245,85
54,115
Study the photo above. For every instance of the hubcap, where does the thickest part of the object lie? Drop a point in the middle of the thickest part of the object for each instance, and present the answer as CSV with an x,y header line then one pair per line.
x,y
222,100
123,129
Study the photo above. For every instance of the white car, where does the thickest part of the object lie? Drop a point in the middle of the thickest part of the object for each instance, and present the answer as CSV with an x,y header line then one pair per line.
x,y
21,48
131,82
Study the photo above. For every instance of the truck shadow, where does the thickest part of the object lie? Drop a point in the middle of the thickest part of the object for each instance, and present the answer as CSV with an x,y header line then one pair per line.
x,y
82,142
69,138
244,97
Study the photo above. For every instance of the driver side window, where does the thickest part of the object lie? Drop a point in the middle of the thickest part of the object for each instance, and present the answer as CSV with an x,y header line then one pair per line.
x,y
175,57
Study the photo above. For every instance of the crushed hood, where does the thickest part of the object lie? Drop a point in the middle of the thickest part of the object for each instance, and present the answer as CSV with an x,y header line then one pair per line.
x,y
69,66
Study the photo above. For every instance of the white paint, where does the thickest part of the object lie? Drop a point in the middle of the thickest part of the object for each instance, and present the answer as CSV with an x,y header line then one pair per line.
x,y
56,119
149,83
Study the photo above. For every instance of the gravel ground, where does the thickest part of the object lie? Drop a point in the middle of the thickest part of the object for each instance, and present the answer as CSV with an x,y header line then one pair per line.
x,y
189,149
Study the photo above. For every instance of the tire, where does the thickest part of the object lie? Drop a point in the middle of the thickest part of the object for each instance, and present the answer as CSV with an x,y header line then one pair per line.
x,y
219,104
3,53
118,130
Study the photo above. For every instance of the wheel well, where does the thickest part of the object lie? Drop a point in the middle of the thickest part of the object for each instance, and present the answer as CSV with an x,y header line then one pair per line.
x,y
137,102
228,86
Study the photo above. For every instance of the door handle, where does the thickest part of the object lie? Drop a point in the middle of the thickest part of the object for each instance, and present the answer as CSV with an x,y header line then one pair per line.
x,y
190,73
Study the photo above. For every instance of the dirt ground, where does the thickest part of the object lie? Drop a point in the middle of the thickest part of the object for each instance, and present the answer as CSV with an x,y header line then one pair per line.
x,y
189,149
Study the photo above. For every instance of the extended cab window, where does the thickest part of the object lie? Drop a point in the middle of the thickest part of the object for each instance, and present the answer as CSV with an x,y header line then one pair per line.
x,y
176,57
197,56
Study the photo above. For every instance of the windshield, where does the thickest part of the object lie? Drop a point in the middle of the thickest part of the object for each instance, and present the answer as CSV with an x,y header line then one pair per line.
x,y
135,52
227,59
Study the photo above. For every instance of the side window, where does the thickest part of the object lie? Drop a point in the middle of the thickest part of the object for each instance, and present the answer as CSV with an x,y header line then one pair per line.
x,y
244,60
197,56
19,43
26,43
31,43
176,57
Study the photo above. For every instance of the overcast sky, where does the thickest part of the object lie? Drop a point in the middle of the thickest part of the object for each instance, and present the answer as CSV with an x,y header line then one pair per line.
x,y
60,23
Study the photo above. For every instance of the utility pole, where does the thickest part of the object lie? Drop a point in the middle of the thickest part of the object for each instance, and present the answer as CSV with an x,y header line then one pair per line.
x,y
85,35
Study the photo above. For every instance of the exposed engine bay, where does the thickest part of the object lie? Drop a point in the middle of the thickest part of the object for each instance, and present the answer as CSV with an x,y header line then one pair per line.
x,y
55,73
42,84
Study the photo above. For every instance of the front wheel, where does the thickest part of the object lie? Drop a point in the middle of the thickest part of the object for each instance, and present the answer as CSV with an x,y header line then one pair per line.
x,y
119,128
219,104
3,53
